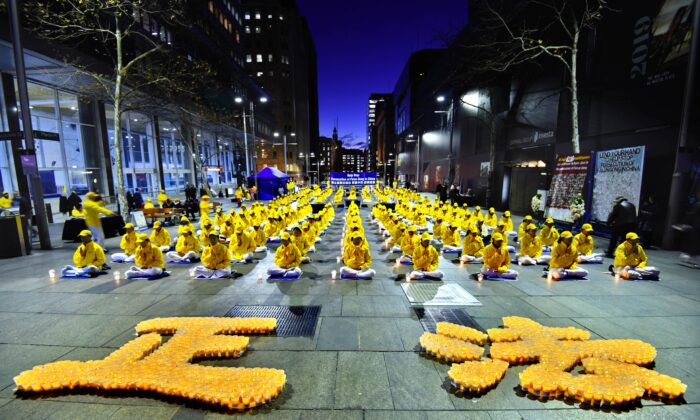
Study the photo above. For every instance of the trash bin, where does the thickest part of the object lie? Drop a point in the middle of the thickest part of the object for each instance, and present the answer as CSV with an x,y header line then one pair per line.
x,y
16,241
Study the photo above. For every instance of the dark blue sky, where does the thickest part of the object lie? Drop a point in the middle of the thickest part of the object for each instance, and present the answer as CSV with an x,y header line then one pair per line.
x,y
362,46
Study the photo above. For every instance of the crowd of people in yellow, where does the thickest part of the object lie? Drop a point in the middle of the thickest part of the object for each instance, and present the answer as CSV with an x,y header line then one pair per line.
x,y
415,227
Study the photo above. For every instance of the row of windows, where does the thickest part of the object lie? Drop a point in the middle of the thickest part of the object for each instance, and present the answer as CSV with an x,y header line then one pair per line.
x,y
153,27
260,58
259,16
224,21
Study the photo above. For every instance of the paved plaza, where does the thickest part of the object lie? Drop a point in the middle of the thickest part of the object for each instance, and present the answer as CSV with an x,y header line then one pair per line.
x,y
362,361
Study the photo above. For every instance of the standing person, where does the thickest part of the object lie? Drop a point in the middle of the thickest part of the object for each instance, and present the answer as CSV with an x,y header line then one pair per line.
x,y
648,212
89,258
191,207
93,209
130,201
74,200
622,219
138,199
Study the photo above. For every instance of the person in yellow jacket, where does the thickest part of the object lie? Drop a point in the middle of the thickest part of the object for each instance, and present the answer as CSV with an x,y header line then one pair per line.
x,y
162,198
128,246
287,259
220,217
216,260
88,259
631,260
491,219
549,234
497,260
564,257
187,248
302,243
309,235
501,228
241,246
584,245
522,229
397,235
439,229
149,204
259,238
5,200
357,258
149,259
227,229
426,260
185,224
473,247
160,237
93,209
531,248
207,228
477,215
78,211
408,244
451,240
204,207
508,223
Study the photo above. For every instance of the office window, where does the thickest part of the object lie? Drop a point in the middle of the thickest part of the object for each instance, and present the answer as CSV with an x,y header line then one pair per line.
x,y
257,15
247,29
258,30
246,16
248,58
270,58
281,17
258,58
259,74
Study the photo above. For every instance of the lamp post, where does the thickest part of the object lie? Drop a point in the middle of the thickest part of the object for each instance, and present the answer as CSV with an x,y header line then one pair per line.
x,y
239,100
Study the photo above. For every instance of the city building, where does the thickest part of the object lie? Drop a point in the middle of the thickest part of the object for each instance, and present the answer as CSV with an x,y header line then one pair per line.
x,y
323,157
384,140
375,100
281,57
156,153
352,160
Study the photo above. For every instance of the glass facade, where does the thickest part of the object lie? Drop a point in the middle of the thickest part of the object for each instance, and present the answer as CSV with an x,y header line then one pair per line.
x,y
177,162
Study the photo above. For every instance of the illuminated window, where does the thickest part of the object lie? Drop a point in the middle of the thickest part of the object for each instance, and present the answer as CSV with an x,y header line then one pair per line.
x,y
258,58
211,6
259,74
270,58
246,16
257,30
247,29
248,58
257,15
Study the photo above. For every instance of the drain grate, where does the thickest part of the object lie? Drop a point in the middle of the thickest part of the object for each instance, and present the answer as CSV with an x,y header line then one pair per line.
x,y
429,317
292,321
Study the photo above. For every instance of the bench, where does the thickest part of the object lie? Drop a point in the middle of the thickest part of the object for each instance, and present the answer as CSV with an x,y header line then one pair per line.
x,y
159,213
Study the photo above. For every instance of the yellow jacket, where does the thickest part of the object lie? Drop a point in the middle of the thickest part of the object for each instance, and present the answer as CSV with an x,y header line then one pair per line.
x,y
148,205
409,243
439,230
204,207
451,238
425,258
496,259
357,257
149,256
530,247
473,247
128,243
92,213
508,222
258,237
77,213
227,230
220,219
522,229
302,243
564,256
5,203
583,244
627,255
181,229
161,238
287,256
161,199
204,234
490,219
90,254
240,246
549,236
216,256
271,229
186,244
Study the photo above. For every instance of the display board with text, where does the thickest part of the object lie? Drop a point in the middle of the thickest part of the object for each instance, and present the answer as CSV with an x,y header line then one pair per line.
x,y
339,179
618,172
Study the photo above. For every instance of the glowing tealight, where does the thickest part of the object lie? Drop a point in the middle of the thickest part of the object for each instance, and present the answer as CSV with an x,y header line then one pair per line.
x,y
52,274
117,276
337,260
334,274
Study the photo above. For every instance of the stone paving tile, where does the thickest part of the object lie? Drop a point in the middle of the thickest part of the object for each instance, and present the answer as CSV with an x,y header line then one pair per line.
x,y
17,358
376,306
36,409
415,384
379,334
661,332
338,334
410,330
362,381
129,413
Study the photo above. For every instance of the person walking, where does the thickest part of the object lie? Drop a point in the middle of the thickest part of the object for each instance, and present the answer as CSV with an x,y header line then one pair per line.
x,y
622,220
93,208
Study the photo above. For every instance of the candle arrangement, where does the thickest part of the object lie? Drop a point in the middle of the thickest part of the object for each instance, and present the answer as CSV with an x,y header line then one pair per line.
x,y
461,332
449,349
477,377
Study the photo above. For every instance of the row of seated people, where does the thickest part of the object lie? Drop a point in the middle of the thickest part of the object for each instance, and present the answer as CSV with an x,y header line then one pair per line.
x,y
357,259
566,250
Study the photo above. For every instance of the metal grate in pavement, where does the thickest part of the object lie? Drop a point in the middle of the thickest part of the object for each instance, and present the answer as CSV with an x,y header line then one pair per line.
x,y
431,294
429,317
292,321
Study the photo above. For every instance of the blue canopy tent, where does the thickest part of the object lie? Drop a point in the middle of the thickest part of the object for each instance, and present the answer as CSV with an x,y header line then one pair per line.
x,y
269,181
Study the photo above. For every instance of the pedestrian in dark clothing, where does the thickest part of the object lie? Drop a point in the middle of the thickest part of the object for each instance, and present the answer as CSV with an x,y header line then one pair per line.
x,y
454,194
622,219
138,199
73,200
648,213
192,208
130,201
63,206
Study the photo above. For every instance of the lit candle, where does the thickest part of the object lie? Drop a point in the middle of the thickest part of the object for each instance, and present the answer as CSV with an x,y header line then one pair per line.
x,y
480,277
259,277
337,260
333,274
52,274
117,276
461,263
549,276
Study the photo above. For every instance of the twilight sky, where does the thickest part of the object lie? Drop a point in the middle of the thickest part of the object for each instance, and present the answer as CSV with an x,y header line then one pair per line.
x,y
362,46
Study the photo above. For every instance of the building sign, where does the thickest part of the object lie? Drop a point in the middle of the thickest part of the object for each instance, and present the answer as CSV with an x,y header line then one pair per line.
x,y
38,134
569,179
353,178
617,173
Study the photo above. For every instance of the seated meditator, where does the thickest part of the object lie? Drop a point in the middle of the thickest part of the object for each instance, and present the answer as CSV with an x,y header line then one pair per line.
x,y
128,246
241,246
301,242
508,225
497,259
216,260
501,228
408,244
185,224
425,260
309,236
160,237
549,235
187,248
149,204
258,237
439,229
473,247
357,258
207,229
564,257
631,260
287,259
522,229
490,220
531,248
396,235
584,245
149,259
88,259
451,240
227,229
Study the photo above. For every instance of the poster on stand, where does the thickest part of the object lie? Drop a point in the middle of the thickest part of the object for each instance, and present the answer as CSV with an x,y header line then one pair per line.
x,y
618,172
353,178
569,179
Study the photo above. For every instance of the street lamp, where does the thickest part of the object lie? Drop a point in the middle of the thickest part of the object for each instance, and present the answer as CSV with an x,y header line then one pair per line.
x,y
239,100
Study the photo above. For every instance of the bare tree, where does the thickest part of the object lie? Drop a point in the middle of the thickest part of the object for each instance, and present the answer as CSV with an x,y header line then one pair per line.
x,y
112,30
515,33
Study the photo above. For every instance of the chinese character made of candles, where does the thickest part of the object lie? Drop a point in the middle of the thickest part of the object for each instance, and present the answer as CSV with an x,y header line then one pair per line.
x,y
146,364
614,372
